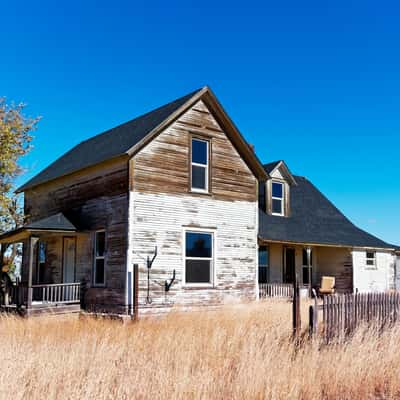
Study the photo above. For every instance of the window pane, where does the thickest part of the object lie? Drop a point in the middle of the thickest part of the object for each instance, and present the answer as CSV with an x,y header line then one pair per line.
x,y
42,252
277,206
199,177
277,190
199,152
198,245
99,278
370,255
263,256
262,275
198,271
100,243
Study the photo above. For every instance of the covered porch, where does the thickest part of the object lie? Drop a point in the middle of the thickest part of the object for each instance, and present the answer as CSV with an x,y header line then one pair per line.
x,y
45,280
281,262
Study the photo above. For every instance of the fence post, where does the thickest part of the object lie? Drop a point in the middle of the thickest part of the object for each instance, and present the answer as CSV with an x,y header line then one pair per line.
x,y
313,315
136,291
296,308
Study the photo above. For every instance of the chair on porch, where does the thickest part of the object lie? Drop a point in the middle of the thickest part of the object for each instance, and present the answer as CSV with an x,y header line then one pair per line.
x,y
327,285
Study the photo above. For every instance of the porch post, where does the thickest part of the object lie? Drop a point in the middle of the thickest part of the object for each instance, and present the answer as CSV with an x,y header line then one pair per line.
x,y
2,247
31,247
309,271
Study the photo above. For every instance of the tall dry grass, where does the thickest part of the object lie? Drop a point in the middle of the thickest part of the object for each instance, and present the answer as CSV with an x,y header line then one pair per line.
x,y
241,352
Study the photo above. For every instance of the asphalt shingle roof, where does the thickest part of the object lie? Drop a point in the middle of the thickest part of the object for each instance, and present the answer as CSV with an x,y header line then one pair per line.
x,y
314,220
57,222
107,145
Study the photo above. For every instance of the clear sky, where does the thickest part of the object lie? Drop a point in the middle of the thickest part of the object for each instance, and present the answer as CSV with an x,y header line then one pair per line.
x,y
315,83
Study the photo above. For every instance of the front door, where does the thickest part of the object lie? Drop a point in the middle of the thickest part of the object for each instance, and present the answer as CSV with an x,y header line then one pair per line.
x,y
289,258
69,250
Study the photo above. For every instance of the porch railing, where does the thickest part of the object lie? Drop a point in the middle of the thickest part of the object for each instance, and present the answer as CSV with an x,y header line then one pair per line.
x,y
57,293
65,293
275,290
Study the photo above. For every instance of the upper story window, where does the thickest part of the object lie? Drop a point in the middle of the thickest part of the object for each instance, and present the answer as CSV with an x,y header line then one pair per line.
x,y
277,198
200,165
99,273
370,258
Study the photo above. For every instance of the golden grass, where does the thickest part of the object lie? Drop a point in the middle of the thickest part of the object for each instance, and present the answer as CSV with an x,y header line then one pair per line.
x,y
239,352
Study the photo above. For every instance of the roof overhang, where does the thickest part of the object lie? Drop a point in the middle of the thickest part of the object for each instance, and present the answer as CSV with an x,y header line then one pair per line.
x,y
22,234
313,244
56,224
284,169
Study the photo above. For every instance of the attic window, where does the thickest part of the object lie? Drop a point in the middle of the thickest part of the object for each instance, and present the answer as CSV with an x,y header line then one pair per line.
x,y
277,198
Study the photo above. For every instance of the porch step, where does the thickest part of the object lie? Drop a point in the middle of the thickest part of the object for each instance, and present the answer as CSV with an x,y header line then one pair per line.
x,y
53,309
48,309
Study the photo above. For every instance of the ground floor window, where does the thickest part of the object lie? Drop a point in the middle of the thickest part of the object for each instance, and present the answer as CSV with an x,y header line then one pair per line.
x,y
99,273
263,264
370,258
306,273
199,257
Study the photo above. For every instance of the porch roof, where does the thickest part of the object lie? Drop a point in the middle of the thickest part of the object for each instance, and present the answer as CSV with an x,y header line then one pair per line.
x,y
55,223
315,220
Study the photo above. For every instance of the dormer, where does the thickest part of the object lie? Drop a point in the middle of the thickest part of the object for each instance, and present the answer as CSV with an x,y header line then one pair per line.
x,y
275,192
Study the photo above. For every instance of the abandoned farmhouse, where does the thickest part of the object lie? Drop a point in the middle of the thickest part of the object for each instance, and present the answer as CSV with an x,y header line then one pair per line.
x,y
181,191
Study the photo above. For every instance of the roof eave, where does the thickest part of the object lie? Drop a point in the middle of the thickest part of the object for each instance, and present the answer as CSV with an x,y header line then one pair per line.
x,y
321,244
26,186
289,175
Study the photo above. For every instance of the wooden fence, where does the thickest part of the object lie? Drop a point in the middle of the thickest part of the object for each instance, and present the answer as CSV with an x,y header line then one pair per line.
x,y
342,314
275,290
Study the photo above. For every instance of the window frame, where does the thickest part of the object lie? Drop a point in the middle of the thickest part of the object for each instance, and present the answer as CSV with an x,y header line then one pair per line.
x,y
95,258
281,199
213,276
304,266
206,167
374,260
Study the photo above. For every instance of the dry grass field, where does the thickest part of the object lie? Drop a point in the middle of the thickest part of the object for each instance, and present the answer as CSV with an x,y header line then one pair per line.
x,y
239,352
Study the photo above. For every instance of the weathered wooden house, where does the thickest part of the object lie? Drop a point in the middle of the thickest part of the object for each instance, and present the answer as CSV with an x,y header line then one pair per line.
x,y
180,179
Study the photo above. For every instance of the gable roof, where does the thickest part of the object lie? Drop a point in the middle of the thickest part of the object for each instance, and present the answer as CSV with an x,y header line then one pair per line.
x,y
271,167
314,220
128,138
55,223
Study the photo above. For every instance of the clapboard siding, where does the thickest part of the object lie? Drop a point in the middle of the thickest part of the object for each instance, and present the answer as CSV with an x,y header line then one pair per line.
x,y
378,278
160,220
95,198
164,165
162,207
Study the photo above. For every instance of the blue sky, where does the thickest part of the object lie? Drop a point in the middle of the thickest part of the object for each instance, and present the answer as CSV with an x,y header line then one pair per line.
x,y
311,82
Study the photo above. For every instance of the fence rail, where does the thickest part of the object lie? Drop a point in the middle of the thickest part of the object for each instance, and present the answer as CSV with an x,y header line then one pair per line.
x,y
342,314
275,290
